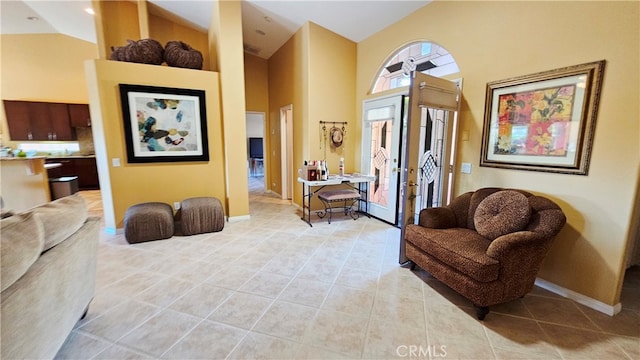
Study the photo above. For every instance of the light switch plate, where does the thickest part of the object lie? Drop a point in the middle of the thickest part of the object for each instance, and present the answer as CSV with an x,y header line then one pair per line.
x,y
115,162
466,168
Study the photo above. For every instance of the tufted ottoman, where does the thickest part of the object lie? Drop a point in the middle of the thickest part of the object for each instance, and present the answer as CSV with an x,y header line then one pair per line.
x,y
148,221
201,215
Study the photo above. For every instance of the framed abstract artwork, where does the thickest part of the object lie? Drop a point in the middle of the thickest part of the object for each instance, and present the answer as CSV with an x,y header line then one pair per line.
x,y
164,124
544,121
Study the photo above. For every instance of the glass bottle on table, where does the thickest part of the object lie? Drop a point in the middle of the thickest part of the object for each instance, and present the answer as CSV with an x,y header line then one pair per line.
x,y
319,169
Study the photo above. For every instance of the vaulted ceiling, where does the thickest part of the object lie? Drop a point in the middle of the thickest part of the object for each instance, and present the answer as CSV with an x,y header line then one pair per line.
x,y
267,24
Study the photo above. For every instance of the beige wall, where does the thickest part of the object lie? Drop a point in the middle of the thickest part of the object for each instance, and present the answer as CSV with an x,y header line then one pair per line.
x,y
128,184
287,69
256,87
165,30
256,83
227,49
588,255
332,84
43,67
315,72
123,13
119,21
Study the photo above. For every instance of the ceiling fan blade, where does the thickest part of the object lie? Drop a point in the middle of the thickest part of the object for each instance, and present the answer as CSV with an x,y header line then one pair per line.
x,y
425,66
395,67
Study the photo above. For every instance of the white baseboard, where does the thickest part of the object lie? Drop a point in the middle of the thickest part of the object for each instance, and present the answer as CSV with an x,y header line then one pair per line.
x,y
610,310
238,218
271,192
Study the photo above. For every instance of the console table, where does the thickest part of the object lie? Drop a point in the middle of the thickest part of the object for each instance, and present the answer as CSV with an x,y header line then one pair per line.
x,y
358,182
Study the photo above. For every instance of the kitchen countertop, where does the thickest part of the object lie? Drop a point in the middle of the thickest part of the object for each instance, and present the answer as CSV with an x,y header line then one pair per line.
x,y
58,157
16,158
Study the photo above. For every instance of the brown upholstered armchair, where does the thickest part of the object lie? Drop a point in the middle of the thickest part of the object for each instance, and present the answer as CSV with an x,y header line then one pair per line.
x,y
487,245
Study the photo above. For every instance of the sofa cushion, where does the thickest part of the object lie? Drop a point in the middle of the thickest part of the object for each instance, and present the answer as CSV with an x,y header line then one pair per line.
x,y
22,242
61,218
501,213
476,198
461,248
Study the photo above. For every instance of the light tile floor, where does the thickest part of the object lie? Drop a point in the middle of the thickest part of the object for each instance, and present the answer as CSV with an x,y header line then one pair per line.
x,y
274,288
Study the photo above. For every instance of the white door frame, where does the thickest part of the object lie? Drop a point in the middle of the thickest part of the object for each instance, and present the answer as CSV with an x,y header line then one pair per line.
x,y
396,102
286,148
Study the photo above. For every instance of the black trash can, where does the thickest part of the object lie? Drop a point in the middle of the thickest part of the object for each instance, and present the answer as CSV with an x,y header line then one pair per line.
x,y
63,186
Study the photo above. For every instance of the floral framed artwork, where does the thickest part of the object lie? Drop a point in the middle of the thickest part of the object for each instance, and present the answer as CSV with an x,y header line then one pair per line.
x,y
164,124
543,121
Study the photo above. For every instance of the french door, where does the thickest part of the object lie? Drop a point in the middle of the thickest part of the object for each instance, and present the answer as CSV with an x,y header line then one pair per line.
x,y
429,147
381,134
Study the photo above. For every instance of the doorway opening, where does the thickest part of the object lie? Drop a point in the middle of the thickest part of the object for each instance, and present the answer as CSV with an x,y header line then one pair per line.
x,y
255,125
433,134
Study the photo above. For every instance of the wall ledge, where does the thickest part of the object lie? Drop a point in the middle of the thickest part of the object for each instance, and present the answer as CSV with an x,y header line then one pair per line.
x,y
597,305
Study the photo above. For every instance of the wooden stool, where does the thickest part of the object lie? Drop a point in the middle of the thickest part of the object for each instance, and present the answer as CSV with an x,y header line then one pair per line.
x,y
201,215
348,198
148,221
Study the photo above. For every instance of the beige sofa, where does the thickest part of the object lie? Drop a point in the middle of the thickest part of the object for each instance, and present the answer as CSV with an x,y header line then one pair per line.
x,y
48,275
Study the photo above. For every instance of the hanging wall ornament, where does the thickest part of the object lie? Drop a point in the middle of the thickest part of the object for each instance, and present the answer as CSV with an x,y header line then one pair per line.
x,y
323,137
337,136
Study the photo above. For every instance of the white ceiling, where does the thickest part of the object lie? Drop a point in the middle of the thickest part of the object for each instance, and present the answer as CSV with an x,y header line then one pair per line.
x,y
278,20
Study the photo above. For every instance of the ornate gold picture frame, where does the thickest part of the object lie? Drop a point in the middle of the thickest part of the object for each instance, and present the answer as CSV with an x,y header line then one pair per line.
x,y
543,121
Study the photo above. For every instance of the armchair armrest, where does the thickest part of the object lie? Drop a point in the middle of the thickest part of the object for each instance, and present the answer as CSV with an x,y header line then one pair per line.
x,y
520,255
437,218
512,245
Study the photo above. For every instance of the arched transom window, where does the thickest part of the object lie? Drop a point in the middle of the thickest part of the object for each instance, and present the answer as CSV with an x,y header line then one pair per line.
x,y
426,57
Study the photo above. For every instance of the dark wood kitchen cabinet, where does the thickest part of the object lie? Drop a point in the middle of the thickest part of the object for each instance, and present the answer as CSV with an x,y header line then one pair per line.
x,y
68,168
84,168
79,115
18,120
40,121
59,122
87,173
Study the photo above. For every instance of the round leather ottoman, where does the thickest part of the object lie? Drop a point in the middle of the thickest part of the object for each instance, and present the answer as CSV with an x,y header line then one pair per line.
x,y
201,215
148,221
